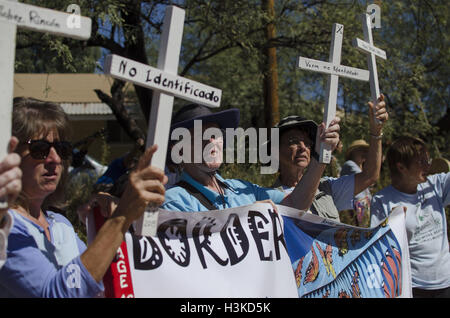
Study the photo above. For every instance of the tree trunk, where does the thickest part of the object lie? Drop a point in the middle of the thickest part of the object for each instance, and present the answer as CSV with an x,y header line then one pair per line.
x,y
135,50
270,86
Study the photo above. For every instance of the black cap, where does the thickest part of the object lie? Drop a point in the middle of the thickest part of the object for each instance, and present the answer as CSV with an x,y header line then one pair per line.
x,y
293,121
187,114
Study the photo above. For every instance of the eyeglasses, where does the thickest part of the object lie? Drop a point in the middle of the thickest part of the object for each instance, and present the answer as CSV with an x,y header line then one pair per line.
x,y
296,141
39,149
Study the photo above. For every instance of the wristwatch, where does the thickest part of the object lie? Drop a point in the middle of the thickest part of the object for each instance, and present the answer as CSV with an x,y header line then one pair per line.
x,y
315,155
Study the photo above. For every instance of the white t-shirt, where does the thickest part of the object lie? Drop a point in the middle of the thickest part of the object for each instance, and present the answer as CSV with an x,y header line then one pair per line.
x,y
426,227
4,232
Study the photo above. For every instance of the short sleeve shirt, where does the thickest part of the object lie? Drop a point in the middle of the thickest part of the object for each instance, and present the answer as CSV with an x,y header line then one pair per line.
x,y
426,228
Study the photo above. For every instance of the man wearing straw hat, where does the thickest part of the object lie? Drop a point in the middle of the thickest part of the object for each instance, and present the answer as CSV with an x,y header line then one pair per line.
x,y
356,157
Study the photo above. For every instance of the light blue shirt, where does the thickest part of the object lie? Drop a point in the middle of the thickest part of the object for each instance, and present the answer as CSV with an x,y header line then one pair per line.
x,y
36,267
426,227
237,193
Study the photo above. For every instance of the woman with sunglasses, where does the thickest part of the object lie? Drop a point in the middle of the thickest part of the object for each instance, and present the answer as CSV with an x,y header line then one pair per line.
x,y
45,256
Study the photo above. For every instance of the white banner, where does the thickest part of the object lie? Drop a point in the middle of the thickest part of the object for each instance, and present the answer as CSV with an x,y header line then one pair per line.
x,y
237,252
251,251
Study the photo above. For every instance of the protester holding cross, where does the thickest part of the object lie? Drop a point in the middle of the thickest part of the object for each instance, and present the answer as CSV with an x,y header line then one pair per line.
x,y
45,256
297,144
201,188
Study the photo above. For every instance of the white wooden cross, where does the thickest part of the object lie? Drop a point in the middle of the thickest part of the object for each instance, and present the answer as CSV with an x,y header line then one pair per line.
x,y
368,47
165,84
12,15
334,70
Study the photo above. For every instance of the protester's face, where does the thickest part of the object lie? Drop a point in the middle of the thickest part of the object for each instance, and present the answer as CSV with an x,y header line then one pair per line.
x,y
212,149
418,170
295,149
359,155
40,176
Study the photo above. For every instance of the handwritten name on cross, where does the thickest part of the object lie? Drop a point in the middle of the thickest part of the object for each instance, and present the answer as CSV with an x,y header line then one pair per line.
x,y
334,70
165,84
13,15
368,47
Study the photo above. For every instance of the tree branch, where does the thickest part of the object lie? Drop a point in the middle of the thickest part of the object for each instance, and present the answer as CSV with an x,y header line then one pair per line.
x,y
119,110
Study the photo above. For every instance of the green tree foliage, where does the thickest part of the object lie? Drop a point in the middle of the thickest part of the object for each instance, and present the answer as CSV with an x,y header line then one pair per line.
x,y
223,45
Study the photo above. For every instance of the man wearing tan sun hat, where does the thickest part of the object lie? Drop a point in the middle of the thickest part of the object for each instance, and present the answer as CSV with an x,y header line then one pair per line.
x,y
356,156
356,153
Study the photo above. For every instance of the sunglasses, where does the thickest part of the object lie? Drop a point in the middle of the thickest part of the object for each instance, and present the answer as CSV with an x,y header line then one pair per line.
x,y
39,149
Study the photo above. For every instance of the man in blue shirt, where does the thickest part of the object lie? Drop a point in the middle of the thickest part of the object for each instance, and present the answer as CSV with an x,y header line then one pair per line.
x,y
201,188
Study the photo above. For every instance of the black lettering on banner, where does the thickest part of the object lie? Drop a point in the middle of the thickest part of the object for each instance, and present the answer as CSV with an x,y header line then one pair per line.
x,y
36,19
278,235
10,15
211,96
177,84
146,253
186,87
122,66
157,79
174,231
208,223
234,239
148,77
256,221
132,72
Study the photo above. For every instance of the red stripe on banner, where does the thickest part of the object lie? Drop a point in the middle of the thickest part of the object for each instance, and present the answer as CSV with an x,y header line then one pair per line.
x,y
117,280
